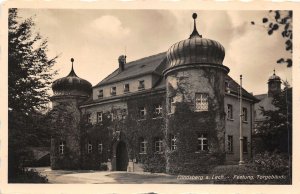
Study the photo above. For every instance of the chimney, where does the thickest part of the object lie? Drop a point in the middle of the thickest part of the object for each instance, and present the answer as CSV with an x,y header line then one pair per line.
x,y
122,62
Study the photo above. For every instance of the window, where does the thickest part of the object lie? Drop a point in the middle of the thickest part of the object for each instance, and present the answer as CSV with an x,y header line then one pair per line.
x,y
157,110
61,148
142,112
227,88
201,102
143,146
89,118
112,116
158,145
230,143
99,117
124,113
202,142
229,112
113,91
100,148
90,147
245,114
173,142
171,108
245,145
141,85
126,88
100,94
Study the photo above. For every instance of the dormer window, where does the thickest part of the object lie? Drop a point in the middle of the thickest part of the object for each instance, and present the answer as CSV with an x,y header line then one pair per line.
x,y
100,94
113,91
141,85
126,88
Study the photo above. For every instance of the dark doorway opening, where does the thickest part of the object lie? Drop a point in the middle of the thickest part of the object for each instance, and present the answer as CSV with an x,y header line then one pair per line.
x,y
121,157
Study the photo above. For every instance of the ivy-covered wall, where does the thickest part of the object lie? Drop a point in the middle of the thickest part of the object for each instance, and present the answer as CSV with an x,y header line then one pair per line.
x,y
64,124
187,124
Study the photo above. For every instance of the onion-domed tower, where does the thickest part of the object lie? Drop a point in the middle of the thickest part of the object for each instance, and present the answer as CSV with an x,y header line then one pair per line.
x,y
70,87
195,79
274,85
68,92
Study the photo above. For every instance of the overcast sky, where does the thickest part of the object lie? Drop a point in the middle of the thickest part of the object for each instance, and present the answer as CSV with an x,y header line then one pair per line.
x,y
96,38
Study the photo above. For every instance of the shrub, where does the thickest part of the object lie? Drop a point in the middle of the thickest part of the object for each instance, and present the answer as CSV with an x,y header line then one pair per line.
x,y
28,176
154,163
103,167
272,163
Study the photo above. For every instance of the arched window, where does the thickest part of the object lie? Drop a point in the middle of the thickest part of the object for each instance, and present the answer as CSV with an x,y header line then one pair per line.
x,y
143,146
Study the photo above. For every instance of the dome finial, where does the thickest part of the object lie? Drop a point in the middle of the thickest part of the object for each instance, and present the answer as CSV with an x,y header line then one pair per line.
x,y
274,72
195,32
72,73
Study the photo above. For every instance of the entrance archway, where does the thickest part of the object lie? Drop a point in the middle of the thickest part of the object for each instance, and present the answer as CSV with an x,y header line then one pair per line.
x,y
121,157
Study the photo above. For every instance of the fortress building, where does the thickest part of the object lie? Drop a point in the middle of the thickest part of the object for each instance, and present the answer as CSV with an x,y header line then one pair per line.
x,y
176,111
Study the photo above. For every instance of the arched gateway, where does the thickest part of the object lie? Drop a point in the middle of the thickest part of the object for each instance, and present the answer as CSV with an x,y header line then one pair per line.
x,y
121,157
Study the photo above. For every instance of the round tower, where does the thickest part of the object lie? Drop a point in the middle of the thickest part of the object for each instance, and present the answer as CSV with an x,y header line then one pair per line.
x,y
195,81
274,85
68,92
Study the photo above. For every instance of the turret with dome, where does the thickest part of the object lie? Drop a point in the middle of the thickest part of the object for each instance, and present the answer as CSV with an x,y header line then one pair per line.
x,y
71,86
195,76
274,85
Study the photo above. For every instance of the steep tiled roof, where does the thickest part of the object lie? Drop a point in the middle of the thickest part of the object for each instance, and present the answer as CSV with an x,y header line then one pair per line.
x,y
154,64
136,68
234,89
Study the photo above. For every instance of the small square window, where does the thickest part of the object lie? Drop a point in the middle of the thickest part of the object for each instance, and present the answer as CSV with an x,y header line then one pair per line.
x,y
141,85
229,112
126,88
201,102
100,94
113,91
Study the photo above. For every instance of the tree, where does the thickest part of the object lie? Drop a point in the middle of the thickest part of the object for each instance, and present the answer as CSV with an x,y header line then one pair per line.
x,y
29,69
29,77
280,20
276,129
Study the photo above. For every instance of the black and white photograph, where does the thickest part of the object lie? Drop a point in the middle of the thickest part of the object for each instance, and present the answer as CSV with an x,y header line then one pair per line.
x,y
150,96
